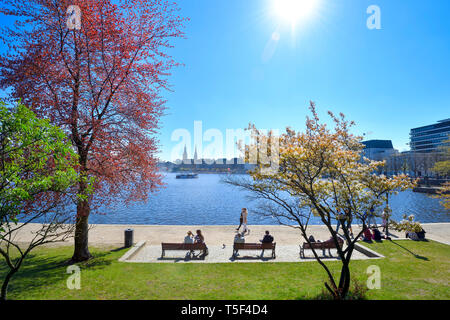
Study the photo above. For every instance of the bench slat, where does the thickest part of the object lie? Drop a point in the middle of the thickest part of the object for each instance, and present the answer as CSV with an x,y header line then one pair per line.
x,y
322,245
254,246
183,246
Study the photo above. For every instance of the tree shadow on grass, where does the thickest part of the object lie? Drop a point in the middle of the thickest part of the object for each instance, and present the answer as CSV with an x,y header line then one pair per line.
x,y
39,271
118,249
414,254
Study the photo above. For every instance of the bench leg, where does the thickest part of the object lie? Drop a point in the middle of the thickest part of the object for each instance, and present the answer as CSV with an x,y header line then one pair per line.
x,y
273,254
163,254
262,253
329,252
302,254
323,252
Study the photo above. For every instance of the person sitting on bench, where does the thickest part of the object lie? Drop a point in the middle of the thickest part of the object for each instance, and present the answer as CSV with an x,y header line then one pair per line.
x,y
189,238
239,238
199,238
267,238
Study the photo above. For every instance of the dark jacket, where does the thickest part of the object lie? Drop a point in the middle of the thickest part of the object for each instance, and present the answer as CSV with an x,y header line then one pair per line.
x,y
267,239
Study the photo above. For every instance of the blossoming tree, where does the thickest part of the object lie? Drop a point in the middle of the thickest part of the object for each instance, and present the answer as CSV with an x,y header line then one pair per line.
x,y
320,172
96,69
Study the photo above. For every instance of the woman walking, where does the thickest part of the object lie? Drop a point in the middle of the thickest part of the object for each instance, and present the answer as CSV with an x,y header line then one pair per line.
x,y
241,219
244,214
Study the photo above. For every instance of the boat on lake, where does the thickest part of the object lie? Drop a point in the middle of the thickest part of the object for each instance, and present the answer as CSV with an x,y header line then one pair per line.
x,y
187,176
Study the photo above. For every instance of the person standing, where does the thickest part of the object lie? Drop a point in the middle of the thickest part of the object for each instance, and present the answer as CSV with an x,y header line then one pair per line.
x,y
244,220
385,217
371,218
349,219
340,221
241,219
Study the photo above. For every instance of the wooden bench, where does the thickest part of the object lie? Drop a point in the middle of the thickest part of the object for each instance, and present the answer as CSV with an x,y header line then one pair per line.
x,y
254,246
320,246
182,247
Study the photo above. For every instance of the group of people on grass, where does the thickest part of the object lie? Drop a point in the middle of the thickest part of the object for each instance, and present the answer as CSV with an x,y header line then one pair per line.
x,y
344,220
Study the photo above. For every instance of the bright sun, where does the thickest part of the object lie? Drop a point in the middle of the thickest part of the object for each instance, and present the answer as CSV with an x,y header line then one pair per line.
x,y
294,10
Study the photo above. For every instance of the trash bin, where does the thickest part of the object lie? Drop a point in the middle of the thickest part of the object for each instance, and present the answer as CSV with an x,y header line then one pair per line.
x,y
128,238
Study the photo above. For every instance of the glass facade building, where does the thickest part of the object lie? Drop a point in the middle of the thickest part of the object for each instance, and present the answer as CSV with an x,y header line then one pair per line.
x,y
378,149
430,138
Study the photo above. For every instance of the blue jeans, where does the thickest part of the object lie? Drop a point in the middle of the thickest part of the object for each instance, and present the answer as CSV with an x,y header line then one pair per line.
x,y
338,225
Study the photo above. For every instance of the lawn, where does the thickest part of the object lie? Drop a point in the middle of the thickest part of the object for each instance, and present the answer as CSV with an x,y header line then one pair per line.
x,y
411,270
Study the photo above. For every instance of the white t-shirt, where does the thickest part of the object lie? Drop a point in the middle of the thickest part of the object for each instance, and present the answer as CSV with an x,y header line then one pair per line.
x,y
188,239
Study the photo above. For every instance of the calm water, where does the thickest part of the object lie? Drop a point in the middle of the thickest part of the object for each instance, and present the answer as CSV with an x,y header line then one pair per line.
x,y
207,201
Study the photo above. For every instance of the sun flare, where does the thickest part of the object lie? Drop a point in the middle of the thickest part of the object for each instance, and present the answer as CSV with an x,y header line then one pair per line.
x,y
294,10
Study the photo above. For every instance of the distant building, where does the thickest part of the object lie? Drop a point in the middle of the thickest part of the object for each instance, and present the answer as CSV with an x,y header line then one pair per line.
x,y
185,156
430,138
196,156
378,150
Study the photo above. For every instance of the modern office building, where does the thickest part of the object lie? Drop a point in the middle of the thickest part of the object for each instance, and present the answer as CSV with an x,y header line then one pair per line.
x,y
378,150
430,138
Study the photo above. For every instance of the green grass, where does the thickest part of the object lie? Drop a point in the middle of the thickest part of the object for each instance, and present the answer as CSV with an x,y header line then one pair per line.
x,y
411,270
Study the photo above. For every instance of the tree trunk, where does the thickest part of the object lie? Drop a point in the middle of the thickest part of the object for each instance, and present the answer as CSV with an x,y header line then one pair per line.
x,y
6,283
344,284
81,250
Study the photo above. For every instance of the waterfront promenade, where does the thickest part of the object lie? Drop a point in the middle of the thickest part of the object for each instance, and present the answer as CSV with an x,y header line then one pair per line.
x,y
106,234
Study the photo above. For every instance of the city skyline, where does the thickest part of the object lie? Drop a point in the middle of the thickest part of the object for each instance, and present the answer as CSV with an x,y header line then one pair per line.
x,y
187,152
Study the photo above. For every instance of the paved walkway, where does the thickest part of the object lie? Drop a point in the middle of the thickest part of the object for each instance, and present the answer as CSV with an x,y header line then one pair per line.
x,y
220,241
218,235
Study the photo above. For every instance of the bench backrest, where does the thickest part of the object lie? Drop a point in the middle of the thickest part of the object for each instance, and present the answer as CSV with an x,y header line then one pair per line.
x,y
254,246
322,245
183,246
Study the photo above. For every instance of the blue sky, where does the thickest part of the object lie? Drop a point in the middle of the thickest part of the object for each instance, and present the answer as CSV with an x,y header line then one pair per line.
x,y
388,81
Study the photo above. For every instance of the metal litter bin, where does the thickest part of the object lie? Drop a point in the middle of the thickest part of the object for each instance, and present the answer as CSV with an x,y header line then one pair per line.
x,y
128,238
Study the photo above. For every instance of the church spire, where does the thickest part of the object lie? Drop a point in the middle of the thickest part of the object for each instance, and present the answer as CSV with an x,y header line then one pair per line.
x,y
185,155
195,154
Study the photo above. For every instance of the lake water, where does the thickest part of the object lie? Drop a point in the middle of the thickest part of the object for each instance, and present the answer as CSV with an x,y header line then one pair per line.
x,y
207,201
